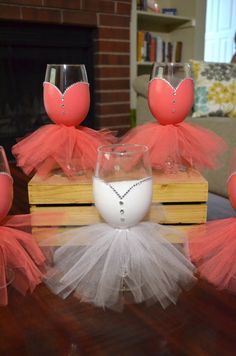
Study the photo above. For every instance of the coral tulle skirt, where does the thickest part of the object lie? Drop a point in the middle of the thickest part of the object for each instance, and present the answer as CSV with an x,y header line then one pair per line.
x,y
20,254
213,250
58,146
183,143
98,261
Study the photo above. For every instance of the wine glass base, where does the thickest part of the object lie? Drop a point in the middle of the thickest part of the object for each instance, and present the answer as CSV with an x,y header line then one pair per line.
x,y
10,275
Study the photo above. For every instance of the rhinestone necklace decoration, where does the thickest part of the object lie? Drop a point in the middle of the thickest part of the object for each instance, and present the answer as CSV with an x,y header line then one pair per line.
x,y
122,196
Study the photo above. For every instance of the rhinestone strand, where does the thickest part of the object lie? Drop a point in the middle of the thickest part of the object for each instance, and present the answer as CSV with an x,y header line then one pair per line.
x,y
127,192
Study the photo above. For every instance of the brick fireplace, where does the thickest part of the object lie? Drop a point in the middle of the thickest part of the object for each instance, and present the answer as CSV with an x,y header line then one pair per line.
x,y
111,43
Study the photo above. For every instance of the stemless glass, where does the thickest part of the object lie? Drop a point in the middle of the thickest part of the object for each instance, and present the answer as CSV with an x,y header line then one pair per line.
x,y
170,92
66,93
6,192
122,184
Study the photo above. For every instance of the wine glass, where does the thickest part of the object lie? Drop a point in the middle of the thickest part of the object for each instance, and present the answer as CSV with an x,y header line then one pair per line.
x,y
170,98
231,181
6,185
122,184
66,93
170,92
6,192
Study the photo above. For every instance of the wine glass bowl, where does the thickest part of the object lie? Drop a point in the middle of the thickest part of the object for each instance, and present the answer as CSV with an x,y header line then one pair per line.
x,y
231,188
6,185
170,92
122,185
66,93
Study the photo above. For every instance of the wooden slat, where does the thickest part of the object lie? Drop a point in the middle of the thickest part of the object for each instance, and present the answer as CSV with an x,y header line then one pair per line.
x,y
182,187
60,190
55,237
178,213
85,215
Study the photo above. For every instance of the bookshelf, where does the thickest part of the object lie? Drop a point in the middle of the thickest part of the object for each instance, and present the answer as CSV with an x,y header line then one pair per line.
x,y
186,28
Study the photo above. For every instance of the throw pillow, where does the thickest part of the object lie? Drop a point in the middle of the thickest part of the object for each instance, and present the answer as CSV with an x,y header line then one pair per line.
x,y
214,89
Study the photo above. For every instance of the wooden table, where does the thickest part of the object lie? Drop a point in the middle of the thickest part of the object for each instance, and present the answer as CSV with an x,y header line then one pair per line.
x,y
202,323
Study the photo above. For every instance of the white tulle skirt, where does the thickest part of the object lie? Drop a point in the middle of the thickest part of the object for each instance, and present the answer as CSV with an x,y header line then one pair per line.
x,y
99,263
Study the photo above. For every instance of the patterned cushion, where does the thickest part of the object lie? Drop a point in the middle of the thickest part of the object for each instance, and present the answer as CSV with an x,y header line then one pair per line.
x,y
215,89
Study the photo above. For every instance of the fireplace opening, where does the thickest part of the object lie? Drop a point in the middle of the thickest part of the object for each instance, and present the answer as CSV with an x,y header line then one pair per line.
x,y
25,51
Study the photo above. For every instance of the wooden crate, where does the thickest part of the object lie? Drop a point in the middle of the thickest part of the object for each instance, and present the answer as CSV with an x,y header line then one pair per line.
x,y
183,199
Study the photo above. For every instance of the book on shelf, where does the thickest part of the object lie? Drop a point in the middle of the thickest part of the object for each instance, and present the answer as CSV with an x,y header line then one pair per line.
x,y
178,51
142,5
147,46
152,48
139,4
140,46
169,54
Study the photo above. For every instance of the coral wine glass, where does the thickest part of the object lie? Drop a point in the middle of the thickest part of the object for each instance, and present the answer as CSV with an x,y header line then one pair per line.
x,y
231,182
6,185
6,191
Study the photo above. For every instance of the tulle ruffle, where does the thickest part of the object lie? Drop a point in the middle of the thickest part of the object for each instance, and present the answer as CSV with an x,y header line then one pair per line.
x,y
69,148
213,250
182,144
19,253
98,262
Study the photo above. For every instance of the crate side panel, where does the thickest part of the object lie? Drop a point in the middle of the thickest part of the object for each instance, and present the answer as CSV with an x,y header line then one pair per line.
x,y
85,215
